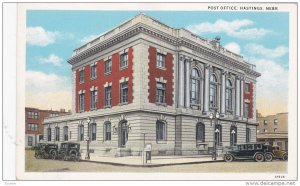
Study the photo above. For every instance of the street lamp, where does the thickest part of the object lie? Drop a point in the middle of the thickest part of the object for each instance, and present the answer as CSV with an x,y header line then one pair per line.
x,y
214,116
87,156
233,136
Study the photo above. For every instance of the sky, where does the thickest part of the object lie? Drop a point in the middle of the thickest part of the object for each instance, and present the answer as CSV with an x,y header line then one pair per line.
x,y
51,36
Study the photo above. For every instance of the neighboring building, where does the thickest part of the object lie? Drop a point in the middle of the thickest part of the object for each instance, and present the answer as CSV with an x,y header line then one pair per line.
x,y
145,82
34,128
274,130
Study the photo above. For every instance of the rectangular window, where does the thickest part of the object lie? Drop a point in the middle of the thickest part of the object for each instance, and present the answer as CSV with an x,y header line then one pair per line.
x,y
107,93
49,134
160,92
247,87
160,60
124,92
124,60
81,76
66,134
248,135
246,110
93,131
93,72
32,127
160,131
94,99
81,102
57,134
107,130
81,133
30,139
107,66
33,115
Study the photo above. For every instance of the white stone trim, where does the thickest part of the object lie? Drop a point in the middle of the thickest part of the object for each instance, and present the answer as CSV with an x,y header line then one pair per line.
x,y
107,84
123,51
93,64
107,58
93,88
247,101
81,92
161,80
81,69
124,79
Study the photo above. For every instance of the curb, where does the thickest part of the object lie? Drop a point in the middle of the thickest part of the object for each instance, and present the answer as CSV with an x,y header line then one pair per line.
x,y
149,165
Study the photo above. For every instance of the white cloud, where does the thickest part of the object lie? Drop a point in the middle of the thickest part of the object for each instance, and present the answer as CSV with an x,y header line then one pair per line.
x,y
272,86
47,91
89,38
234,47
256,49
40,37
234,28
52,59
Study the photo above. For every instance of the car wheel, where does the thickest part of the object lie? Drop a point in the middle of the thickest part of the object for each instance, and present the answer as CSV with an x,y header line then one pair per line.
x,y
259,157
73,157
53,155
268,157
285,157
228,158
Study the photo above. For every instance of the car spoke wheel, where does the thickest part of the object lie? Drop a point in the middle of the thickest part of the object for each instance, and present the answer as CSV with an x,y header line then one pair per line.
x,y
285,157
228,158
268,157
73,157
259,157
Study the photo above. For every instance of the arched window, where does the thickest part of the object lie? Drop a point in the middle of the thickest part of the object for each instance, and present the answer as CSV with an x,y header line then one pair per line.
x,y
93,130
66,137
123,132
49,134
107,131
81,133
228,96
161,131
213,91
200,132
57,134
218,134
195,86
233,135
248,135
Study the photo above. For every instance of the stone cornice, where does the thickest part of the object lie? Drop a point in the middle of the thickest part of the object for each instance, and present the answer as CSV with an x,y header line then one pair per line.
x,y
204,51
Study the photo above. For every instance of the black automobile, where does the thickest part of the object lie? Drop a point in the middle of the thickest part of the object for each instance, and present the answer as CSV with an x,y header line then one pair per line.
x,y
44,150
256,151
68,151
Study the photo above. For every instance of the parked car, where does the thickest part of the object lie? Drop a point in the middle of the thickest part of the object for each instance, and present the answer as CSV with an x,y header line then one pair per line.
x,y
68,151
280,154
256,151
44,150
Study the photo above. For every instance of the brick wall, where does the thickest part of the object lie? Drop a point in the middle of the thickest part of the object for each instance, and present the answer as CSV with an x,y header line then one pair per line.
x,y
155,72
249,96
101,79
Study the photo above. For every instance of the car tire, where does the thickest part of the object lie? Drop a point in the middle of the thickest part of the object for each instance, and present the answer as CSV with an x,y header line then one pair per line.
x,y
73,157
228,158
285,157
53,155
259,157
268,157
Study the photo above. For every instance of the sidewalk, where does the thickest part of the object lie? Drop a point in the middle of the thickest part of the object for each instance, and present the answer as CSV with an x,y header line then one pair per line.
x,y
157,161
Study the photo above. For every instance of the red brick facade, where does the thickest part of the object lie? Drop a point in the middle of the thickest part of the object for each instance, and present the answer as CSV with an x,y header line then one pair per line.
x,y
249,96
166,74
102,78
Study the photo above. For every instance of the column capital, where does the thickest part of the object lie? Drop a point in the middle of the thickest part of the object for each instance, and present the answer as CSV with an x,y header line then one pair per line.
x,y
181,57
224,72
208,66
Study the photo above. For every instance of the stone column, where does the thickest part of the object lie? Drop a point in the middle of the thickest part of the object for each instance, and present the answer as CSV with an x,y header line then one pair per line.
x,y
181,82
223,89
187,82
242,96
206,88
237,96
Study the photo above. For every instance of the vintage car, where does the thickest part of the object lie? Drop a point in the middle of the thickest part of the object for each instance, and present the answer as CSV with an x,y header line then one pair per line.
x,y
44,150
68,151
279,154
256,151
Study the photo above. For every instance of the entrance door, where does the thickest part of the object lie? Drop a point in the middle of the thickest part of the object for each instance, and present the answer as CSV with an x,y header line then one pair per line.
x,y
123,135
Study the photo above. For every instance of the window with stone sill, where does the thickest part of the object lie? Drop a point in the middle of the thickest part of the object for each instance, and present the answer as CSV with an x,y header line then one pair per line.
x,y
247,87
57,134
228,96
107,66
200,133
94,99
124,60
124,93
195,88
66,137
81,132
49,134
213,91
161,134
107,95
160,92
81,103
107,131
160,60
93,72
81,76
93,131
